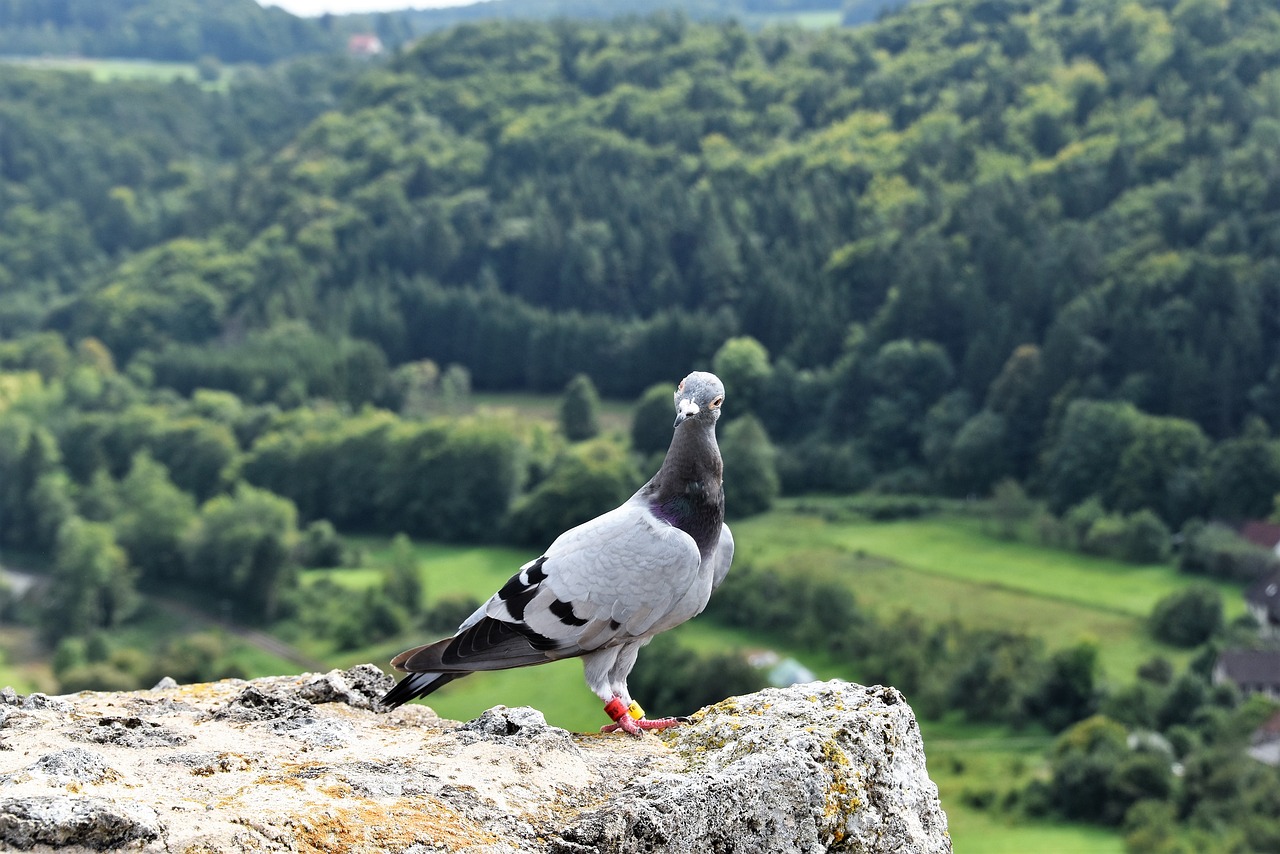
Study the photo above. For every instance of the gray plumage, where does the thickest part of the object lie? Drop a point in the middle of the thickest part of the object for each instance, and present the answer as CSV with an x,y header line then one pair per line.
x,y
602,590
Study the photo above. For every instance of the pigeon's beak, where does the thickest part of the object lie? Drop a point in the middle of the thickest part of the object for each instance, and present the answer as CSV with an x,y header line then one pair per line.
x,y
685,409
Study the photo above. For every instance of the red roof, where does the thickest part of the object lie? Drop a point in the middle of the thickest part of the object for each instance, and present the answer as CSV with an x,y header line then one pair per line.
x,y
364,44
1265,534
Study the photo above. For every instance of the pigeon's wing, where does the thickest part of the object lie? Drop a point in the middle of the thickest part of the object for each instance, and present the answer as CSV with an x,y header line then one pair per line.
x,y
723,557
609,580
622,576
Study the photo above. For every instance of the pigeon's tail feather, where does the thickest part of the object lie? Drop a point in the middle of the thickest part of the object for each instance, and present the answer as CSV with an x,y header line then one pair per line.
x,y
421,658
487,644
417,685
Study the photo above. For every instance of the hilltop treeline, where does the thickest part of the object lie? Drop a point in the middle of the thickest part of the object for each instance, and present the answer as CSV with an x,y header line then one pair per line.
x,y
246,31
182,30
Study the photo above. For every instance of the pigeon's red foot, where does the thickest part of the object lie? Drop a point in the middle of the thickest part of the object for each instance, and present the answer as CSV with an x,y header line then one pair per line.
x,y
631,719
636,727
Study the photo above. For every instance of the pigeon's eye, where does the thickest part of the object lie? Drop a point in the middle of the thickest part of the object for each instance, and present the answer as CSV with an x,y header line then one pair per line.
x,y
715,404
681,386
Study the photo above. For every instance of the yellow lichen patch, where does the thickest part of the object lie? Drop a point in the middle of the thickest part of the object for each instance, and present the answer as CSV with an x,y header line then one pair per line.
x,y
337,790
367,825
224,762
281,780
841,800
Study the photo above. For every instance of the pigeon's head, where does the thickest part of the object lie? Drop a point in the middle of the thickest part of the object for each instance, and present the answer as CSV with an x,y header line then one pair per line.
x,y
699,396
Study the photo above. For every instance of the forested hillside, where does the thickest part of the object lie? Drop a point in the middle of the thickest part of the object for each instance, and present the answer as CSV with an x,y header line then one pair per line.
x,y
943,228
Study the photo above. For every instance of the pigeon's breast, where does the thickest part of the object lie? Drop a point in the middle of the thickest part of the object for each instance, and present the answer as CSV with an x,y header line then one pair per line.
x,y
693,514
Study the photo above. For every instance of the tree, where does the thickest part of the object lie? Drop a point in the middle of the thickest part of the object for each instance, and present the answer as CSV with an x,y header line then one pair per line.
x,y
1018,395
751,483
462,489
1068,690
1085,453
742,363
1010,507
320,547
1219,552
401,581
1242,475
241,548
152,519
92,584
1083,760
27,453
1160,469
580,409
585,480
651,420
979,456
1189,617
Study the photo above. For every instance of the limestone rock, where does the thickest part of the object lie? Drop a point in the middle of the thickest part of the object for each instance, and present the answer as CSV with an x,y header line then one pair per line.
x,y
308,763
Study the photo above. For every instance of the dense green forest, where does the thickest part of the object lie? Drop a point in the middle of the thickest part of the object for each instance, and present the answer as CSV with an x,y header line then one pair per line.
x,y
1025,249
943,229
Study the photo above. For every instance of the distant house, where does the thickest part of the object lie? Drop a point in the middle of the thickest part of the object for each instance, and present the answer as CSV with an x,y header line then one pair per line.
x,y
1264,746
1263,601
1263,534
1253,671
364,44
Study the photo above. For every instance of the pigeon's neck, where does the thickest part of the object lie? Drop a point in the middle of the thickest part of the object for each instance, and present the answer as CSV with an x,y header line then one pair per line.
x,y
688,490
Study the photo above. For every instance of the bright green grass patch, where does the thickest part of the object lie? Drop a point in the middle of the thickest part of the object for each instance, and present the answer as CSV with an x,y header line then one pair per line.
x,y
946,567
556,689
111,69
957,548
816,20
974,832
614,415
445,569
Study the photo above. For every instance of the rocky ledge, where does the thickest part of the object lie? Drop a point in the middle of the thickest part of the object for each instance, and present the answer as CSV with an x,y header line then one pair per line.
x,y
309,763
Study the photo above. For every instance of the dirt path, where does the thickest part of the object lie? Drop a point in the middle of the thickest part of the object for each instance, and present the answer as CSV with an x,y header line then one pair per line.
x,y
254,637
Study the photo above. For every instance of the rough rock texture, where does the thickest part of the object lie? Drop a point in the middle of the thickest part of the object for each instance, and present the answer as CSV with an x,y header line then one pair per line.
x,y
308,763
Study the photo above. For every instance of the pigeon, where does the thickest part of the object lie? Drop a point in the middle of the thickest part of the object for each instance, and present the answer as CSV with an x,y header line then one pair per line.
x,y
604,589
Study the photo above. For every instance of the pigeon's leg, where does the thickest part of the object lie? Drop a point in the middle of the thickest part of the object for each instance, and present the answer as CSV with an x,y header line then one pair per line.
x,y
632,719
618,709
606,671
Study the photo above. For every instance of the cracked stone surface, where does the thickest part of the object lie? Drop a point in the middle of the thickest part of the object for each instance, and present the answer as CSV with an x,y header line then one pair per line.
x,y
311,764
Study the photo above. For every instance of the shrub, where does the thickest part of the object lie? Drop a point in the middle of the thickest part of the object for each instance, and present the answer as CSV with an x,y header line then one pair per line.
x,y
1187,618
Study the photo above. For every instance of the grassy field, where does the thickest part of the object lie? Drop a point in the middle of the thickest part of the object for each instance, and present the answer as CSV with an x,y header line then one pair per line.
x,y
818,20
106,70
110,69
614,415
947,567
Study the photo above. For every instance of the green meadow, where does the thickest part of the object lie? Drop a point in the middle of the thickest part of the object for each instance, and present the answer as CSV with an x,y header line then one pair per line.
x,y
110,69
948,567
105,69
